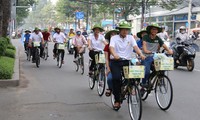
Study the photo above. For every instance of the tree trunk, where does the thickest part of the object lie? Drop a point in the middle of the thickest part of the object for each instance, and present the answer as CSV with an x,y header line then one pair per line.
x,y
1,17
143,12
6,6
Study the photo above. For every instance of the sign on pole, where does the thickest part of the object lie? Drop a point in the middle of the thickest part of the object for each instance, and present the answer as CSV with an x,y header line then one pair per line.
x,y
79,15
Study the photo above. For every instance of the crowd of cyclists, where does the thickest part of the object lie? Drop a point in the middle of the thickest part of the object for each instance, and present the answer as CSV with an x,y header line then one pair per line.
x,y
118,45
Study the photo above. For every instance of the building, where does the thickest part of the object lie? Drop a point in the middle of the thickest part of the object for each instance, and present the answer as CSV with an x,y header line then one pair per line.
x,y
171,19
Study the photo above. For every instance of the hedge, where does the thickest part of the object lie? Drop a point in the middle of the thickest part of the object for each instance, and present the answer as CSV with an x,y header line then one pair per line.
x,y
10,53
10,46
3,45
6,67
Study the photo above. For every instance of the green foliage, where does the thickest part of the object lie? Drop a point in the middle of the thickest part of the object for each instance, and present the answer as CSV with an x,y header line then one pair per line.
x,y
7,67
3,45
10,53
10,46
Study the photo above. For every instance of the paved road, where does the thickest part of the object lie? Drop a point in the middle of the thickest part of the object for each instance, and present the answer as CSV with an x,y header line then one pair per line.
x,y
50,93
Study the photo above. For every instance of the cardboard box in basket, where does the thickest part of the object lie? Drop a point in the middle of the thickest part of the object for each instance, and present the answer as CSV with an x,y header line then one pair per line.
x,y
134,71
100,58
164,64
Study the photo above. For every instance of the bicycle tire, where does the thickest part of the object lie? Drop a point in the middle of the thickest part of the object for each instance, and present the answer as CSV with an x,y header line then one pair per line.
x,y
101,82
60,59
37,58
45,53
76,66
160,83
29,54
91,83
82,65
112,100
134,103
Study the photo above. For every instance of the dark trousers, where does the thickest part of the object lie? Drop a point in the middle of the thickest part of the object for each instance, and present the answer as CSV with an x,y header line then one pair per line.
x,y
25,46
92,54
75,52
116,70
34,50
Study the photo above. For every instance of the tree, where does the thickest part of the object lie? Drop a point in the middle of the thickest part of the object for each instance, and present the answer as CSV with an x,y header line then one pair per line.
x,y
5,12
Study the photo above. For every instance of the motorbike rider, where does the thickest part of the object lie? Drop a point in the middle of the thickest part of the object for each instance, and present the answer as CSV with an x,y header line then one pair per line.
x,y
36,36
78,41
181,37
58,37
71,34
96,43
121,49
151,44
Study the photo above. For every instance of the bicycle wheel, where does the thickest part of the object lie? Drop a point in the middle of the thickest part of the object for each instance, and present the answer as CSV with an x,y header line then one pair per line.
x,y
45,53
37,58
164,92
76,65
91,82
101,83
134,103
59,59
29,54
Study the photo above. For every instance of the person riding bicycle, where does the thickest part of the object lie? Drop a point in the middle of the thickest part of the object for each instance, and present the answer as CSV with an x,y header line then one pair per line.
x,y
46,36
36,36
58,37
108,36
26,39
79,42
140,35
96,43
121,49
163,34
151,45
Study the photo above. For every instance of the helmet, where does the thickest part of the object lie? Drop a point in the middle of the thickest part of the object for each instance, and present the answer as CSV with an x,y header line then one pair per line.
x,y
124,24
182,28
78,31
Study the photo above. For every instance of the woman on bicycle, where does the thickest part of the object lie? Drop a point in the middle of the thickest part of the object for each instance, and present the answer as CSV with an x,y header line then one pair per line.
x,y
78,41
96,43
121,49
151,44
58,37
107,56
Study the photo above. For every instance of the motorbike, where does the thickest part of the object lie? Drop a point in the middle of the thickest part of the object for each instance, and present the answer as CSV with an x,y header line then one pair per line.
x,y
184,54
70,46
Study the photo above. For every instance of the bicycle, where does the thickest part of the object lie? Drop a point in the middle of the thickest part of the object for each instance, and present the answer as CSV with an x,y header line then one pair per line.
x,y
98,74
161,84
80,62
45,53
28,52
60,53
36,45
129,90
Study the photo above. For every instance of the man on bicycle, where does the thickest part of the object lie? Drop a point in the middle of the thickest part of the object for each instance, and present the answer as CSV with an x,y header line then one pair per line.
x,y
46,36
36,36
26,39
121,48
151,45
58,37
79,42
96,43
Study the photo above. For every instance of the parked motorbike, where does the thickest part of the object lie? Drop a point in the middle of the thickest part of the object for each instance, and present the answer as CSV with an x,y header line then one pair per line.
x,y
70,46
184,54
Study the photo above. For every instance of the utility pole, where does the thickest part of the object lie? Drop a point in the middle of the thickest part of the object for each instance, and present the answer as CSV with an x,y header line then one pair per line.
x,y
189,16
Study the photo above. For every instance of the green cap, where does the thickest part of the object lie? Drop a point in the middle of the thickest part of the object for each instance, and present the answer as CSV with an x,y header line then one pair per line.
x,y
36,29
97,26
45,29
124,24
155,25
139,34
107,36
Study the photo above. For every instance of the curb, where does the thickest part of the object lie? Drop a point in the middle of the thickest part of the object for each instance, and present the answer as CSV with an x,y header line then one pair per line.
x,y
15,78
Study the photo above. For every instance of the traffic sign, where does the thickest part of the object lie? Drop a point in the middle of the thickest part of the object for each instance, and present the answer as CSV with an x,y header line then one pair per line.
x,y
79,15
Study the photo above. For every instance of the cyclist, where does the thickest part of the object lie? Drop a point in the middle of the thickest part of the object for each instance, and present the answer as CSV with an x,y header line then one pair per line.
x,y
140,35
163,34
151,44
78,42
121,49
85,34
58,37
36,36
46,36
26,39
96,43
107,56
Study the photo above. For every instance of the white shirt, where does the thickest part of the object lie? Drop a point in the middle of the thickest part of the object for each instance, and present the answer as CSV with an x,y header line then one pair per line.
x,y
97,44
123,46
163,35
36,37
60,38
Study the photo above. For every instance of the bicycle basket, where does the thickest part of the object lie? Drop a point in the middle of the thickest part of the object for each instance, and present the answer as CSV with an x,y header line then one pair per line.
x,y
164,64
134,71
61,47
36,44
100,58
